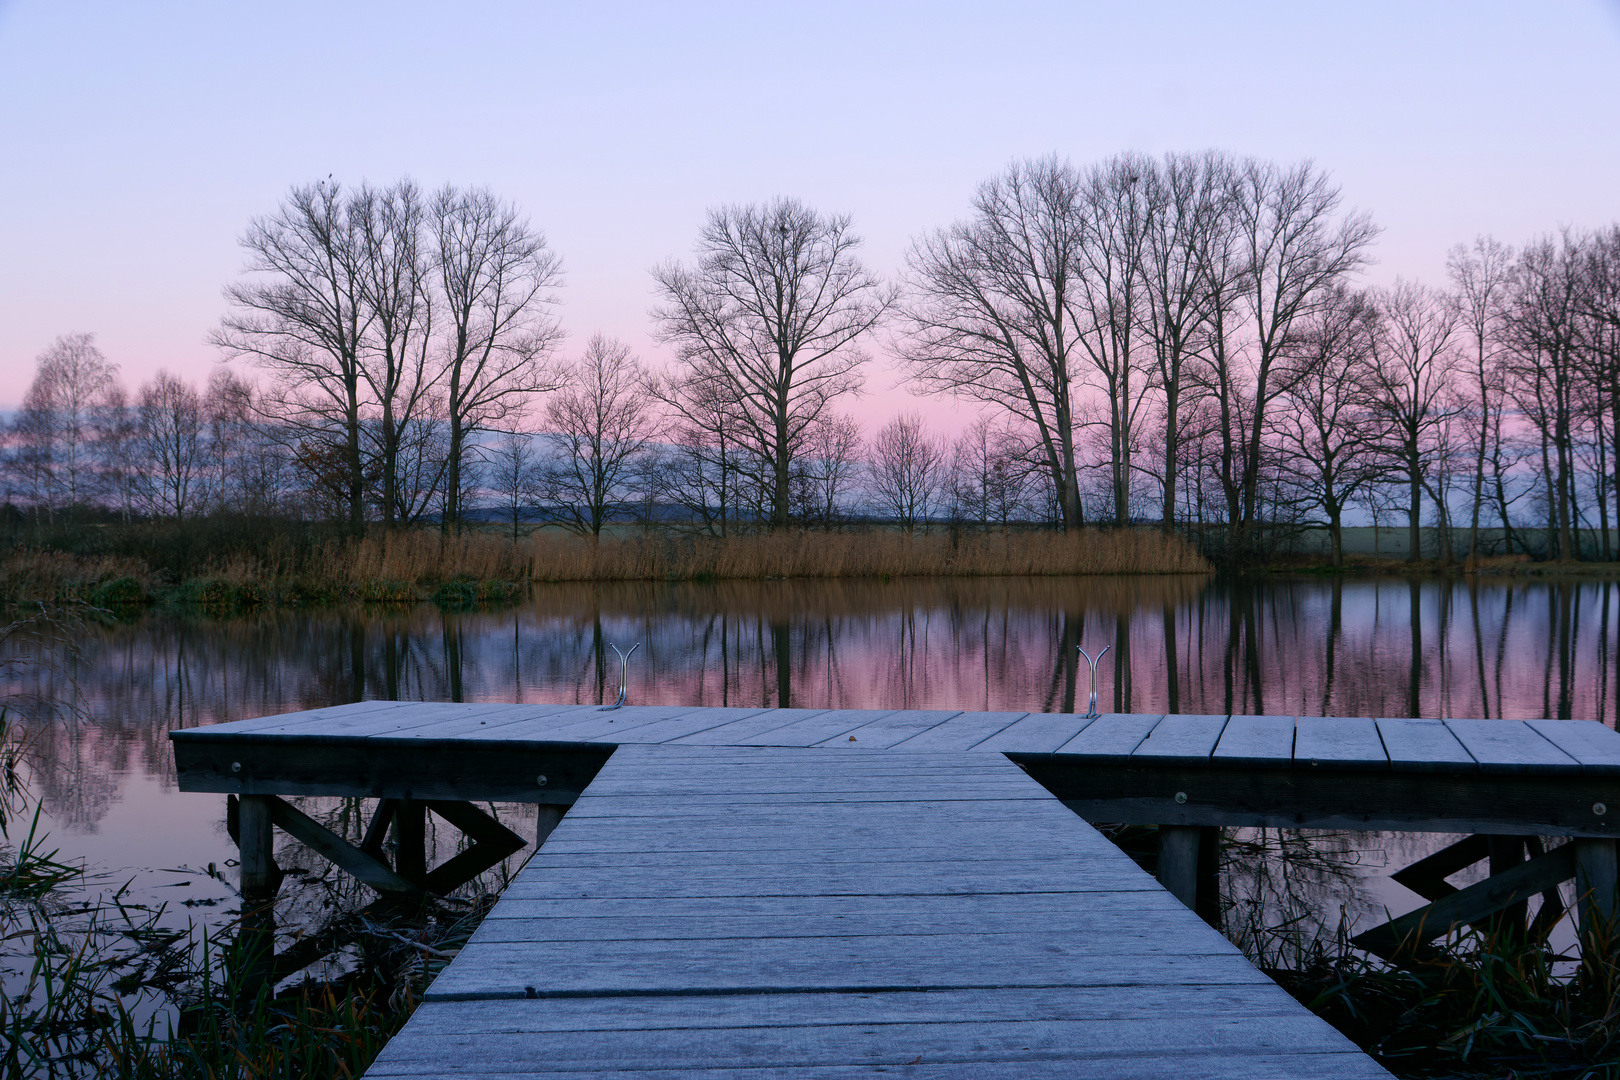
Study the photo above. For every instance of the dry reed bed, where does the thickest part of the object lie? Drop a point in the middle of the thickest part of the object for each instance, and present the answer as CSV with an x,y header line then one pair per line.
x,y
412,560
863,555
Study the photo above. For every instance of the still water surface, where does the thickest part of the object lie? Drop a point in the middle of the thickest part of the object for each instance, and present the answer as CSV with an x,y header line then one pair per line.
x,y
1515,648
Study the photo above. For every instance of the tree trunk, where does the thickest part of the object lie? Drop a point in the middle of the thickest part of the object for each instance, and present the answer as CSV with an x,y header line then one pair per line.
x,y
1414,511
357,476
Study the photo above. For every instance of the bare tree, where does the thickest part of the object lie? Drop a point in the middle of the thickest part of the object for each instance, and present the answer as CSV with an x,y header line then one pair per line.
x,y
827,466
990,312
397,352
988,475
708,472
1599,303
770,317
1111,294
1544,333
171,439
1188,200
1410,389
1328,433
115,450
252,467
57,424
497,281
601,422
512,471
302,316
1290,246
905,470
1482,273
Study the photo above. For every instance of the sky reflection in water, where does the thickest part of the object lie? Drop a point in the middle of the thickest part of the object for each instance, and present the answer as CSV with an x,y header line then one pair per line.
x,y
1512,648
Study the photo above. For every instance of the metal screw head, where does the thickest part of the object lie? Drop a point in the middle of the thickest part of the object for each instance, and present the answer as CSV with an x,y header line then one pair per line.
x,y
1181,796
236,766
541,779
1599,809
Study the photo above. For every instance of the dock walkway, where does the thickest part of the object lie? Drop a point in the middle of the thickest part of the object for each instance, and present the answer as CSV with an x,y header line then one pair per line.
x,y
749,893
747,912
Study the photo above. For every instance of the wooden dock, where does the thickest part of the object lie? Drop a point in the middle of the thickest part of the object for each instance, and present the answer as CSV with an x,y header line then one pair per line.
x,y
750,893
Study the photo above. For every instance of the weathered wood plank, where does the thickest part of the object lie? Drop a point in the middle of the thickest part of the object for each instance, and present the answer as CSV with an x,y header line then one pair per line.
x,y
1037,733
1111,737
1423,746
1182,739
1511,746
961,731
311,719
587,723
833,723
731,734
700,720
1256,740
1345,742
890,729
1596,746
1098,1043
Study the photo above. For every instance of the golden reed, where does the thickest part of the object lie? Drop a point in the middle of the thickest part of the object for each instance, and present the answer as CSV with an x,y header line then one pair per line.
x,y
553,556
426,556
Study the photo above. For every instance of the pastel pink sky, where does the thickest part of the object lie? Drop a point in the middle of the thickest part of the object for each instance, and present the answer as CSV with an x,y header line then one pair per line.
x,y
137,139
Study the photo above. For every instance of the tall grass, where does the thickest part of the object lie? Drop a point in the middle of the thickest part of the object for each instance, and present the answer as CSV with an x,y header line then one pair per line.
x,y
407,565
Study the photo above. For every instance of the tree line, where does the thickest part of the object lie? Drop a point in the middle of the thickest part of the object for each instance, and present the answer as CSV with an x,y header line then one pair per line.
x,y
1182,340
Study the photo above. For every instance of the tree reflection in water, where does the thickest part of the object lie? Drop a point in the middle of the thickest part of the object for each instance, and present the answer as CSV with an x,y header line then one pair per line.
x,y
1513,648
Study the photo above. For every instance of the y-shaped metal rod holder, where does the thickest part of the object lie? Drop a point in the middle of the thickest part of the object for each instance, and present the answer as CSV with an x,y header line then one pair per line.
x,y
1092,660
624,675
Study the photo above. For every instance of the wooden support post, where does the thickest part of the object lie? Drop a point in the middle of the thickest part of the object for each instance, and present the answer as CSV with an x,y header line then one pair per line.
x,y
256,849
547,818
259,879
410,841
1179,861
1597,880
1208,905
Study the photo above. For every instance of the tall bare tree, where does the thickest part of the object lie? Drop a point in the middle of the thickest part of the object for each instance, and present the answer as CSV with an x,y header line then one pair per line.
x,y
397,358
601,421
1292,245
1543,324
1600,308
990,311
1410,389
497,281
1188,199
1481,273
1329,434
1111,293
771,316
302,315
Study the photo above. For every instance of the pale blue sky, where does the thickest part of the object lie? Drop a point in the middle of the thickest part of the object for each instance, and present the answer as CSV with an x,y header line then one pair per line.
x,y
137,139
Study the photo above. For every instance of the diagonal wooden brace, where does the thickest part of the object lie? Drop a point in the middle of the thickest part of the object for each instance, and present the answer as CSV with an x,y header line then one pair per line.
x,y
1469,905
1427,876
340,852
492,842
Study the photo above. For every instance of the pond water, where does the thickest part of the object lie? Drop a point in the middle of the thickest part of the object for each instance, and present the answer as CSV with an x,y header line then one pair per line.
x,y
1516,648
